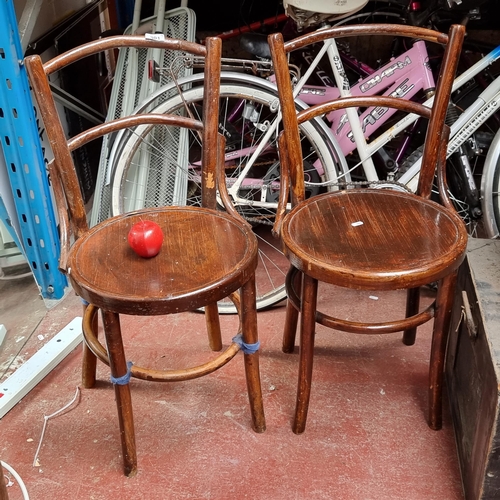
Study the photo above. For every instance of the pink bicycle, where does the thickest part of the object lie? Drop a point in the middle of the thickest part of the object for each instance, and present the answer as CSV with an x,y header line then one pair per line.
x,y
336,151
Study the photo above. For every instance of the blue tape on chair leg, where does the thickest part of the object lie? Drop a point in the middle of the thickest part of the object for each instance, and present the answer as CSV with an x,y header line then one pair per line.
x,y
124,379
84,302
246,348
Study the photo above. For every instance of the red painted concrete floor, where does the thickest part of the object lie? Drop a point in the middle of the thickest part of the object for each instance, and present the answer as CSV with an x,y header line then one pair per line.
x,y
366,436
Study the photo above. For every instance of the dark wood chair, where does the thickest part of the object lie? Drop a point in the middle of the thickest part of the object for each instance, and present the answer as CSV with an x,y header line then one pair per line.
x,y
366,238
190,271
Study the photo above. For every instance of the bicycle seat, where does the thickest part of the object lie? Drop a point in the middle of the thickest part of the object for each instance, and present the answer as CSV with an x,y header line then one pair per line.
x,y
256,44
307,13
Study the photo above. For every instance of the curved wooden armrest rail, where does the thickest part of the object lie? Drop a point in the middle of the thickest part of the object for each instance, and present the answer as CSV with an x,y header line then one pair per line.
x,y
119,41
411,107
392,30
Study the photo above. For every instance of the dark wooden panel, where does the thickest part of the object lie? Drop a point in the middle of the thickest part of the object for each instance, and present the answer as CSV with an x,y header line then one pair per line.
x,y
472,370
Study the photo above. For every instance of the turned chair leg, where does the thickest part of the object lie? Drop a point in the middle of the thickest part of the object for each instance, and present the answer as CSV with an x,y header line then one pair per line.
x,y
412,306
119,372
444,303
307,327
293,280
290,327
213,327
89,360
250,336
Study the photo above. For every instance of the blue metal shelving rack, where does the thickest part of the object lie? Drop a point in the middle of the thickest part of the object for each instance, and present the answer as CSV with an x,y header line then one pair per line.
x,y
19,137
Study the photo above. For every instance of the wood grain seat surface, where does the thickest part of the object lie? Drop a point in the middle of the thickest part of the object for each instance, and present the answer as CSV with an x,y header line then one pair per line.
x,y
200,261
335,238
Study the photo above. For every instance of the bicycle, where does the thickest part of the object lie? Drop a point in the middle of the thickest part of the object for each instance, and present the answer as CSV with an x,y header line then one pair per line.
x,y
250,105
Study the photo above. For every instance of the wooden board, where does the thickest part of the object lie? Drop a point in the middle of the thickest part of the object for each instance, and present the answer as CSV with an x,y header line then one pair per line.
x,y
28,375
473,370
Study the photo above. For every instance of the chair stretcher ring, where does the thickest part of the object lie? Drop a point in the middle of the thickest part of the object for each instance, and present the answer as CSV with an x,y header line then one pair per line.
x,y
352,326
142,373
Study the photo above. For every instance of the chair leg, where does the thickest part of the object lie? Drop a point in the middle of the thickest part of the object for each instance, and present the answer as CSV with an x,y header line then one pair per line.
x,y
290,327
307,327
89,360
252,372
444,303
118,365
213,327
294,279
412,306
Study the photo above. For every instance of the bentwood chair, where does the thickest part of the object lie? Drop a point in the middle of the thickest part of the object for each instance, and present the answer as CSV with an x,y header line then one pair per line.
x,y
365,238
206,255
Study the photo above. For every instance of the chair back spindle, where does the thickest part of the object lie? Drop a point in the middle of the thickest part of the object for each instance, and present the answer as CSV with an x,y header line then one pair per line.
x,y
63,168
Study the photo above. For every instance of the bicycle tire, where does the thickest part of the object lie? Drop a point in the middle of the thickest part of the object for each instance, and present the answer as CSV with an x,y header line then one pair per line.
x,y
460,204
272,264
482,165
490,189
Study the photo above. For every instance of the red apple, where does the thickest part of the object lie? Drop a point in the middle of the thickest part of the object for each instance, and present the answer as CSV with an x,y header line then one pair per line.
x,y
145,238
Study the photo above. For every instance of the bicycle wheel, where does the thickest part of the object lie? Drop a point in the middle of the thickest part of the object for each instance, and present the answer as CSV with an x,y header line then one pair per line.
x,y
475,151
468,169
455,191
157,166
490,189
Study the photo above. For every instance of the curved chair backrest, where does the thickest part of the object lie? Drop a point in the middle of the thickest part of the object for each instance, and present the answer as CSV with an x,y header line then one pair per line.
x,y
436,127
290,152
65,180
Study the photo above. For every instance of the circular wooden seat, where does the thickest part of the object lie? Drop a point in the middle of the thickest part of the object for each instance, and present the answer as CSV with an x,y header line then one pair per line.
x,y
200,262
374,238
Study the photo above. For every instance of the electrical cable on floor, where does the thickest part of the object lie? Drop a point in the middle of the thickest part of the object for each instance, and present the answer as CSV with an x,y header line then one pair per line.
x,y
46,419
8,468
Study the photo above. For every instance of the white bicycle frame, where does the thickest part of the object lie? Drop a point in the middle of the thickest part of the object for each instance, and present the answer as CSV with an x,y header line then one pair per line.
x,y
468,122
